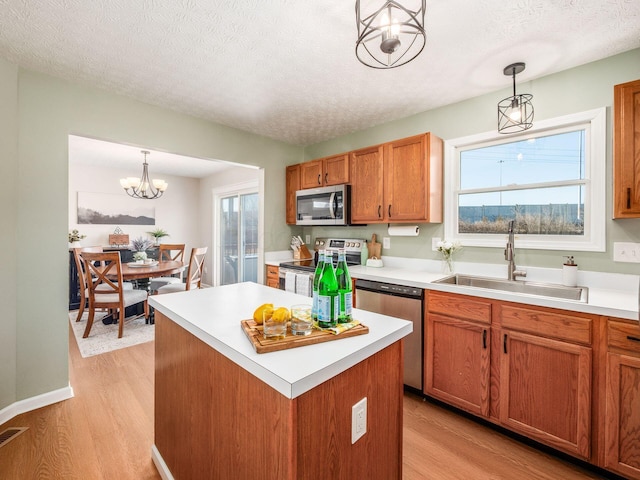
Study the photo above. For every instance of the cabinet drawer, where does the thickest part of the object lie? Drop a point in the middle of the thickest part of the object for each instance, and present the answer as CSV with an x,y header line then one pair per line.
x,y
623,335
272,271
570,328
461,306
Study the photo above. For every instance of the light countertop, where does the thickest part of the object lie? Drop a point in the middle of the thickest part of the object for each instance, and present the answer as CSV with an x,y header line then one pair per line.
x,y
213,315
614,295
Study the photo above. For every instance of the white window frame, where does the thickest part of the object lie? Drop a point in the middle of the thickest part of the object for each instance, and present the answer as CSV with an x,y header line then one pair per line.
x,y
594,238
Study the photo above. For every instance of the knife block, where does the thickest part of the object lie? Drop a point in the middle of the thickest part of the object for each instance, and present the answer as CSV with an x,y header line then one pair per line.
x,y
302,253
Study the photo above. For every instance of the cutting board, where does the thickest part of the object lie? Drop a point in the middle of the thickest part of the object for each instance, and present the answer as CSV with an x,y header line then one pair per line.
x,y
262,345
374,247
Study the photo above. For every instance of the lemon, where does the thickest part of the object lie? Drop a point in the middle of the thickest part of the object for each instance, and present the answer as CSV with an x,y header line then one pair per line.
x,y
258,312
281,315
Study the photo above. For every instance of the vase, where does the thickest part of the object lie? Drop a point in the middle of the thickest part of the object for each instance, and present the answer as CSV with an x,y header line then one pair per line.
x,y
447,265
75,244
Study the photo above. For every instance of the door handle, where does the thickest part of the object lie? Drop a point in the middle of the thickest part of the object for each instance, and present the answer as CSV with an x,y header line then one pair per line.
x,y
389,210
326,178
484,339
319,179
504,343
379,209
628,198
634,339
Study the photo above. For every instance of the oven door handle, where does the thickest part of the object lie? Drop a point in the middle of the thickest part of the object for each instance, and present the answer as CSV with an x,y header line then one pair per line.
x,y
333,205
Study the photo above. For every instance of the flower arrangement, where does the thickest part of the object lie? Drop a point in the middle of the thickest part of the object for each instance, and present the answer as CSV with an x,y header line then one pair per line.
x,y
75,236
447,249
139,246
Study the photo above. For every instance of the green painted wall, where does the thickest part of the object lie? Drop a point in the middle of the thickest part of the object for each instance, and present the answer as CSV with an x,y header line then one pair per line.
x,y
40,113
578,89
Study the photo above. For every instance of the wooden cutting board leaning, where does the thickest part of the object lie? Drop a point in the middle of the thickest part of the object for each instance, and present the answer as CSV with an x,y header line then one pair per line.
x,y
374,247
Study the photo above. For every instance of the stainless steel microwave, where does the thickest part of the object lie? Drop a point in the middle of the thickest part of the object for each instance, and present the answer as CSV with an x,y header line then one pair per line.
x,y
323,206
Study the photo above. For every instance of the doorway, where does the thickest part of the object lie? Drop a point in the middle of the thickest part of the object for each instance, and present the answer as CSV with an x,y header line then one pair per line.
x,y
237,225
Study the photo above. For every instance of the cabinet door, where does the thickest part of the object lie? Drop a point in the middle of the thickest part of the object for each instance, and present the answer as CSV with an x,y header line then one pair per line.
x,y
622,424
311,174
336,170
366,172
293,184
413,179
626,150
457,363
545,391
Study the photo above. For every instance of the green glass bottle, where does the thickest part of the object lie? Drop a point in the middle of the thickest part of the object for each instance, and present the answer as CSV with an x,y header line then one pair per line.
x,y
316,283
328,299
345,290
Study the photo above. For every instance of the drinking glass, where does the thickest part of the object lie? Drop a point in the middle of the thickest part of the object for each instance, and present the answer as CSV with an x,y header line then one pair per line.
x,y
301,323
273,329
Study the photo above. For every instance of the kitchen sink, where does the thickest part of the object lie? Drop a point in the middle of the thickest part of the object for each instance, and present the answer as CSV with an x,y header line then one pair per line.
x,y
579,294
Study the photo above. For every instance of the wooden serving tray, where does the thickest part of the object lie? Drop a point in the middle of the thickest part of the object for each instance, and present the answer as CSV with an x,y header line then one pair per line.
x,y
253,332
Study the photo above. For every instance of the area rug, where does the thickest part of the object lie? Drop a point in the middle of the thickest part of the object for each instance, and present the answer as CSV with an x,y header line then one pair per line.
x,y
104,338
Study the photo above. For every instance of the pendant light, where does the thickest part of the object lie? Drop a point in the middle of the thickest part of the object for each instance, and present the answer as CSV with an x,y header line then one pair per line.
x,y
515,113
390,36
143,187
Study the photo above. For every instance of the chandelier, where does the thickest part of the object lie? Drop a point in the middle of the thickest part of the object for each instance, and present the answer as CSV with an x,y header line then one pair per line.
x,y
143,187
515,113
391,36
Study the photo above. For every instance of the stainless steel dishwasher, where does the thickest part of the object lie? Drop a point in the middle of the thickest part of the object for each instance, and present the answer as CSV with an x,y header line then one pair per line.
x,y
400,302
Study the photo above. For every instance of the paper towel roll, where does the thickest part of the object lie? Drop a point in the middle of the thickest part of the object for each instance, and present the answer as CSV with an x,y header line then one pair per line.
x,y
404,231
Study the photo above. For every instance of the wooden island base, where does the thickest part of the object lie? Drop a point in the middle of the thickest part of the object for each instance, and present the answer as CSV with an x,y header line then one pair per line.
x,y
213,419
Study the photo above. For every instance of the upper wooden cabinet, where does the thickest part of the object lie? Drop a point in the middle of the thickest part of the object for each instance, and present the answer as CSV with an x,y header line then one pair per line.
x,y
626,150
293,184
399,181
325,171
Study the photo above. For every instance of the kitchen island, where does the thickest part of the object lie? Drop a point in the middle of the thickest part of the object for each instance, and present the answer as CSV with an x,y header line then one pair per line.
x,y
224,411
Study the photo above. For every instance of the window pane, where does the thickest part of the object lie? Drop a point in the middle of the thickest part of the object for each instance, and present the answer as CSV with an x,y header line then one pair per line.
x,y
541,211
543,159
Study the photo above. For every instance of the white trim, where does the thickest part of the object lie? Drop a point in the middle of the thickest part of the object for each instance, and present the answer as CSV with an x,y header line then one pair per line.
x,y
33,403
595,216
160,464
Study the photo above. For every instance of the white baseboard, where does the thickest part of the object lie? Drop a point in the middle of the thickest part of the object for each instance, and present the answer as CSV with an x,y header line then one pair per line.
x,y
33,403
158,461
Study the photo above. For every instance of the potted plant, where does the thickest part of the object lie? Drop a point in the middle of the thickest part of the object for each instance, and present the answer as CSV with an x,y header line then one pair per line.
x,y
139,246
158,233
74,238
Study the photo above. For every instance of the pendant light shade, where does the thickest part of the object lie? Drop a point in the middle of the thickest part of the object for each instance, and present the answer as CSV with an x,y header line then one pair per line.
x,y
144,187
515,113
389,35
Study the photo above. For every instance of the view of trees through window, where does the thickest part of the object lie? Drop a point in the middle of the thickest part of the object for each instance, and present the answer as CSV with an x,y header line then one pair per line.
x,y
538,182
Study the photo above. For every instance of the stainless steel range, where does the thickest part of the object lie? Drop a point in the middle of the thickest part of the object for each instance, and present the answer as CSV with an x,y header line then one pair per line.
x,y
297,275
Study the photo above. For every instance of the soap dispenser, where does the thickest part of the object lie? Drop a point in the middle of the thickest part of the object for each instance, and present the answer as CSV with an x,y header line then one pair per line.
x,y
570,272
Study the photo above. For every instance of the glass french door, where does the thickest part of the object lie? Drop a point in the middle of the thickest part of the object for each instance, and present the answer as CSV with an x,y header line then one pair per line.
x,y
238,216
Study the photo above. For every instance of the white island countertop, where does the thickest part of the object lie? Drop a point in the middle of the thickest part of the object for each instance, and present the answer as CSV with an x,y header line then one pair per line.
x,y
213,315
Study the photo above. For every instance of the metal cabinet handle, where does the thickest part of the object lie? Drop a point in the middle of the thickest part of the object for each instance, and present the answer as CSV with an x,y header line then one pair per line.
x,y
326,178
319,179
634,339
628,198
379,211
389,210
484,339
504,343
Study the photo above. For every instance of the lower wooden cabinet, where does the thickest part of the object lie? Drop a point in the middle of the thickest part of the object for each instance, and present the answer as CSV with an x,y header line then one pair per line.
x,y
458,360
273,276
545,390
622,416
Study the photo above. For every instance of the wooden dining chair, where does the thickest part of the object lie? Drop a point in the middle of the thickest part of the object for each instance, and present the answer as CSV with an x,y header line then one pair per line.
x,y
106,289
194,273
82,278
168,252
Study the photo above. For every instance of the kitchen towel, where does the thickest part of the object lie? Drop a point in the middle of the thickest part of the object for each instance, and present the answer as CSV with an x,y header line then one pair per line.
x,y
404,231
290,282
303,281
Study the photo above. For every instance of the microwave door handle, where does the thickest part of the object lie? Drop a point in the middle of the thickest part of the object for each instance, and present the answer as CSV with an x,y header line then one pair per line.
x,y
333,205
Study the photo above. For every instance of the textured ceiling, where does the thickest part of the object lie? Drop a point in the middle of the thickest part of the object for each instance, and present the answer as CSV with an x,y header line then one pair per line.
x,y
286,69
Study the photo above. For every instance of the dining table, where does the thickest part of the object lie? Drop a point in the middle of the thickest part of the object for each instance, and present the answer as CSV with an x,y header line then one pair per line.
x,y
144,271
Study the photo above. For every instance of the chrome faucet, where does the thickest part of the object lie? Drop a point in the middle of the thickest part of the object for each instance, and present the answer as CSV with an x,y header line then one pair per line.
x,y
510,256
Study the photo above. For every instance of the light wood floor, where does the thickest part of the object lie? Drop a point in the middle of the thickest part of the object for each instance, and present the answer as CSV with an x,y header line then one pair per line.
x,y
106,432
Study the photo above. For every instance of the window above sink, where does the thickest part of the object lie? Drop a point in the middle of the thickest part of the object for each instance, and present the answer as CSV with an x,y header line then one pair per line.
x,y
549,179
